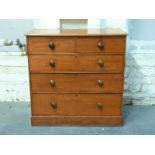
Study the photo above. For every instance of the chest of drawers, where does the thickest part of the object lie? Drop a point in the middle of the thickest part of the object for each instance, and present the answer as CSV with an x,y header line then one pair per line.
x,y
76,76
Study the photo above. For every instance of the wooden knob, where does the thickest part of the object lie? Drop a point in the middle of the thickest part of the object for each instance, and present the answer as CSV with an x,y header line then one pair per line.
x,y
52,45
99,105
100,63
52,63
54,104
100,82
52,82
101,45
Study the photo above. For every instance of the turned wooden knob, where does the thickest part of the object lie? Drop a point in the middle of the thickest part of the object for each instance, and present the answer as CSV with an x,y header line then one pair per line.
x,y
99,105
54,104
52,45
101,45
52,82
100,63
100,82
52,63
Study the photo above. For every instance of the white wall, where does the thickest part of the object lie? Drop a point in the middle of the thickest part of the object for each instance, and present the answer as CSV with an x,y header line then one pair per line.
x,y
140,63
142,29
15,28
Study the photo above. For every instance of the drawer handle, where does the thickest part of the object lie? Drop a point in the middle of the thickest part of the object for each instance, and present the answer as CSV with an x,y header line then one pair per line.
x,y
101,45
54,104
52,45
100,63
52,63
99,105
100,82
52,82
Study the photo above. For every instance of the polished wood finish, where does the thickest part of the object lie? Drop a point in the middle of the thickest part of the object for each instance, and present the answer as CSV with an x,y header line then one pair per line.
x,y
77,120
76,76
110,44
112,83
41,45
76,62
77,32
76,104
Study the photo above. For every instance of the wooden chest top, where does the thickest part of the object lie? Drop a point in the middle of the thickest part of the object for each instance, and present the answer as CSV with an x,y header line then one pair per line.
x,y
77,32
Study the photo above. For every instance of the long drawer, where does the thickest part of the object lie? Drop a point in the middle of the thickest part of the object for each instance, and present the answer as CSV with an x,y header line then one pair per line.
x,y
76,63
104,83
76,105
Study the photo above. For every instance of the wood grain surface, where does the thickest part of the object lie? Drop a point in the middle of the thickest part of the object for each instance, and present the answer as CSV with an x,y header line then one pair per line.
x,y
77,121
81,83
77,32
76,63
77,104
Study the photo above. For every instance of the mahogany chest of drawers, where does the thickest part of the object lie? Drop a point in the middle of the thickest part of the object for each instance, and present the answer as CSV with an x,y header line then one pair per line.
x,y
76,76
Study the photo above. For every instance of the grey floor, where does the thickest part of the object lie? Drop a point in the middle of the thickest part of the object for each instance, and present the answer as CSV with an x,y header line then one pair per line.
x,y
15,120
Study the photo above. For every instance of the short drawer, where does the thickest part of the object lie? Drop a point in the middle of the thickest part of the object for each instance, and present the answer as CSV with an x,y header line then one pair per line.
x,y
44,45
76,104
101,44
76,63
54,83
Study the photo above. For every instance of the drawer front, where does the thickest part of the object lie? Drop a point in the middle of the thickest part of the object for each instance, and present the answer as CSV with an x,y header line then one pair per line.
x,y
80,63
50,45
81,104
101,44
52,63
51,83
